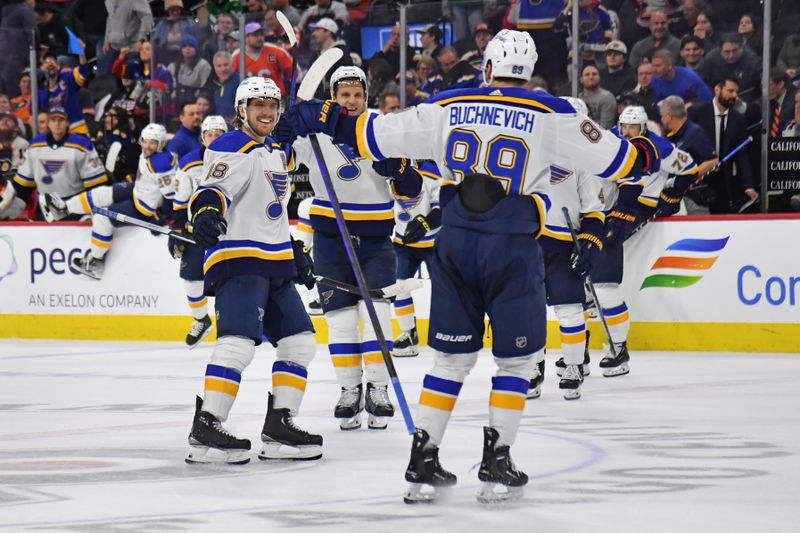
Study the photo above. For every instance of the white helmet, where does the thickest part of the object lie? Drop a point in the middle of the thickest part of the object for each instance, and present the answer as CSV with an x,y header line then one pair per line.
x,y
512,55
347,73
213,122
634,114
255,87
155,132
578,104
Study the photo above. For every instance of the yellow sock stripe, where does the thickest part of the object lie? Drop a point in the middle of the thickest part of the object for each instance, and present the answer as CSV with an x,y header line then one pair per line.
x,y
101,244
196,305
403,311
619,319
221,385
346,361
507,400
573,338
437,401
285,379
373,358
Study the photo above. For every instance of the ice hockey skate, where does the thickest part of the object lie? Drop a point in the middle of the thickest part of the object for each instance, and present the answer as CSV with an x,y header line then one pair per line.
x,y
501,481
284,440
407,344
535,385
428,481
561,365
378,406
200,330
56,206
615,366
349,407
571,382
212,443
89,266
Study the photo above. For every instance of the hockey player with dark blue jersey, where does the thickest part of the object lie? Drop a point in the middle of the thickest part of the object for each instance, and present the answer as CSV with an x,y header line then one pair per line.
x,y
494,145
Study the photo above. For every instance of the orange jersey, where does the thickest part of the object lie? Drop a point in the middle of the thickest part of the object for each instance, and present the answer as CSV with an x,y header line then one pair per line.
x,y
273,62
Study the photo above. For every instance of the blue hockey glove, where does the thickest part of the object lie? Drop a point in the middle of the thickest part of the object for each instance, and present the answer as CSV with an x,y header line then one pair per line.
x,y
406,180
284,132
314,116
416,230
304,264
590,247
207,226
620,224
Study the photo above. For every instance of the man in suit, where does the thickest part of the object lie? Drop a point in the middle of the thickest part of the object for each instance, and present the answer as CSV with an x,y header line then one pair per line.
x,y
781,100
733,182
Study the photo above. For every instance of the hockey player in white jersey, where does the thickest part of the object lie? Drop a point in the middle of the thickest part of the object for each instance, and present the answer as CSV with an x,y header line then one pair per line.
x,y
365,194
676,173
238,215
579,192
496,145
57,162
153,184
188,176
416,223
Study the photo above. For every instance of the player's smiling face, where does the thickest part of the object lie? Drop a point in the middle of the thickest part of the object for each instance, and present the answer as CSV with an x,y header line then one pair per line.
x,y
262,115
149,147
350,95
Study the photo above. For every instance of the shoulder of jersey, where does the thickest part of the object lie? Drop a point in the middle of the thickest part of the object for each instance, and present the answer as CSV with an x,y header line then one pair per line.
x,y
664,146
429,169
235,141
162,162
79,142
536,100
39,140
190,160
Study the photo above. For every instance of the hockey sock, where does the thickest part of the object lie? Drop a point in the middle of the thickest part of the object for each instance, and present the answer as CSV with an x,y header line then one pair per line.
x,y
440,389
224,373
290,370
102,236
507,399
404,311
572,325
198,302
374,365
614,310
83,203
344,347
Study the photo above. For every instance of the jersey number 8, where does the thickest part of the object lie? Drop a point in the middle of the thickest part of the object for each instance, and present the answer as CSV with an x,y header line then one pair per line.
x,y
505,158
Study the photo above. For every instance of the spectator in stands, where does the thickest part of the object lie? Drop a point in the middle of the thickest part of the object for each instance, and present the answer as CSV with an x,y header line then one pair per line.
x,y
134,71
169,33
232,42
256,7
669,79
792,129
129,23
617,76
205,105
644,85
263,59
52,28
20,105
691,138
41,122
750,28
781,101
325,8
538,18
692,51
289,10
431,40
474,53
457,74
733,60
413,95
380,79
704,29
61,90
391,51
12,152
223,83
187,138
660,38
465,14
16,17
218,7
733,182
537,83
324,33
430,81
273,31
601,103
596,29
389,102
116,127
789,56
190,71
226,23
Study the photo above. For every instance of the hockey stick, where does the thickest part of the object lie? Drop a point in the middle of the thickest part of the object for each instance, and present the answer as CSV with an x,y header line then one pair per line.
x,y
289,30
588,283
112,155
125,219
404,285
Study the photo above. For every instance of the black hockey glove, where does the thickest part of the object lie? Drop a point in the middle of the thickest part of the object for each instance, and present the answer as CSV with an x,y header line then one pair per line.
x,y
590,247
620,224
304,264
416,230
284,132
669,202
176,246
207,226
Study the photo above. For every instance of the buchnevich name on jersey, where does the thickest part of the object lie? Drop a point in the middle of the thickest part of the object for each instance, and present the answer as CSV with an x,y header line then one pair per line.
x,y
489,115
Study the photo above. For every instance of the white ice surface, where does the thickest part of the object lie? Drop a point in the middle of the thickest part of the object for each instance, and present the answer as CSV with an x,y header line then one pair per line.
x,y
93,437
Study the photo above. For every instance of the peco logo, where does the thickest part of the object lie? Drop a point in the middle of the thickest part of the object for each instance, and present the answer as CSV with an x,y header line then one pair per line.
x,y
683,263
8,262
55,261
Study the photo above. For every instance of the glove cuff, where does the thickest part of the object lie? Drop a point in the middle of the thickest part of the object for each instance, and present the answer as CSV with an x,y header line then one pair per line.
x,y
592,239
204,209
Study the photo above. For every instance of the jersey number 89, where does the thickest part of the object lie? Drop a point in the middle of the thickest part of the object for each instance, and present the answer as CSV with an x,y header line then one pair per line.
x,y
505,158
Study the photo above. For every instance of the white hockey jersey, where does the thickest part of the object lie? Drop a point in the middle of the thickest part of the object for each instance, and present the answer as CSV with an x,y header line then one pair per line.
x,y
405,209
187,178
154,181
65,168
365,196
579,192
511,134
250,182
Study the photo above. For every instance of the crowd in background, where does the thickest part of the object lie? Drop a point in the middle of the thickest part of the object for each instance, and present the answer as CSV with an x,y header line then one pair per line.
x,y
103,60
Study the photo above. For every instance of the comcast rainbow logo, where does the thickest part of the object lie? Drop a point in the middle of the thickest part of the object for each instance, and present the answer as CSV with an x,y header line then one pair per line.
x,y
684,262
